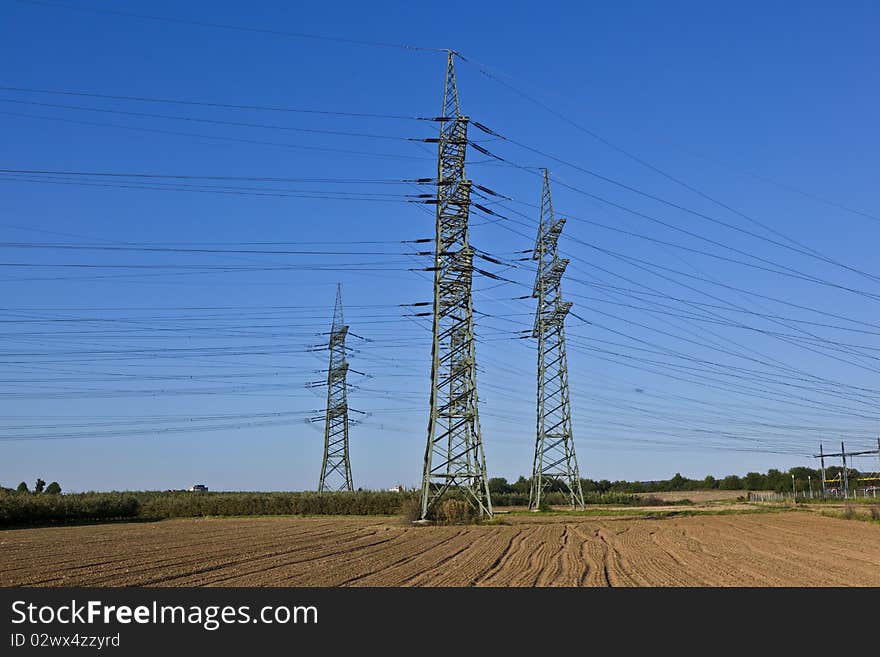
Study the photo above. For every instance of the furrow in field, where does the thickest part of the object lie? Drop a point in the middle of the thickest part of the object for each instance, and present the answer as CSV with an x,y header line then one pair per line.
x,y
648,563
701,555
462,564
619,568
802,549
524,565
395,568
140,558
262,570
512,543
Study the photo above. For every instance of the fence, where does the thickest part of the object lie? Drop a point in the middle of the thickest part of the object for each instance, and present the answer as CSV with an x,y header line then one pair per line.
x,y
872,492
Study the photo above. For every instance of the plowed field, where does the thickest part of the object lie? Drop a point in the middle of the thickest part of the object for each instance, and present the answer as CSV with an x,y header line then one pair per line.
x,y
772,549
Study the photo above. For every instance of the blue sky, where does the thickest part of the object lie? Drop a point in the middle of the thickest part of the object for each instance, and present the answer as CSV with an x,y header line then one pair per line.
x,y
693,363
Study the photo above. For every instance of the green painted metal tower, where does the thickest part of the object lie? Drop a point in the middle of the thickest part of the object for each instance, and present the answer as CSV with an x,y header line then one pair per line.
x,y
454,457
555,461
336,465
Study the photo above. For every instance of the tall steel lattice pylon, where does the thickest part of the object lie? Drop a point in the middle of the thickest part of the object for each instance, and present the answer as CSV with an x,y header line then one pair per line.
x,y
555,460
454,457
336,466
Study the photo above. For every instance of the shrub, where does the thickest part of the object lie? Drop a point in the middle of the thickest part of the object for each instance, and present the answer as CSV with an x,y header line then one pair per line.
x,y
53,489
875,513
411,509
183,504
44,509
849,512
23,488
455,511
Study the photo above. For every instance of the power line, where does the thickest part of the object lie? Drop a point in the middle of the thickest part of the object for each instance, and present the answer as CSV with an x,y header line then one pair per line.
x,y
238,28
198,103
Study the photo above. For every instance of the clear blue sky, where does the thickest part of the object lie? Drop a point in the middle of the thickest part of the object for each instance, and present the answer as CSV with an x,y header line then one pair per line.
x,y
766,111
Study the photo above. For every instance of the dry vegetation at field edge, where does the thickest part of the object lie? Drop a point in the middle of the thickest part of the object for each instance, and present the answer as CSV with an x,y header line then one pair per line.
x,y
698,496
771,549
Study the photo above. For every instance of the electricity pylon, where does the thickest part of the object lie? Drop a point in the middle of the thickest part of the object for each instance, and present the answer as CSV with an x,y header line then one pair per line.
x,y
555,460
454,457
336,466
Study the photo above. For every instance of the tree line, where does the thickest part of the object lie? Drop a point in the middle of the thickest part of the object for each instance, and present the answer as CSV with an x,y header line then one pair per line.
x,y
772,480
40,488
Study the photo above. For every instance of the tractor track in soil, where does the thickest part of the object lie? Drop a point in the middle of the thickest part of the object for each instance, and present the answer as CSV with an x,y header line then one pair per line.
x,y
757,549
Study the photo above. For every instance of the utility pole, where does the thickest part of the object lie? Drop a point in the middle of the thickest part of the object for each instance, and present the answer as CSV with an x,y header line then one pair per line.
x,y
555,459
845,472
336,466
793,489
810,485
454,457
822,461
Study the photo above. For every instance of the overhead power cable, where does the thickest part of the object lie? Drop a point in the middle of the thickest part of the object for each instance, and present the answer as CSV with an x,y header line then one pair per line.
x,y
192,119
200,103
484,70
796,249
237,28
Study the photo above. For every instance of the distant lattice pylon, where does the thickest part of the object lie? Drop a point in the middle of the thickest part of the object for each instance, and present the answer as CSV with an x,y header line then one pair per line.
x,y
336,465
454,457
555,460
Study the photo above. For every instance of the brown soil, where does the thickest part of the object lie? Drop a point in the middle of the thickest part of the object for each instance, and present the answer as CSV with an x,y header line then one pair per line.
x,y
772,549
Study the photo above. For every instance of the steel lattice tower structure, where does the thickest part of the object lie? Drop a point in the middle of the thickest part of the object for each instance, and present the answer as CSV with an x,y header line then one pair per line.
x,y
336,466
555,459
454,457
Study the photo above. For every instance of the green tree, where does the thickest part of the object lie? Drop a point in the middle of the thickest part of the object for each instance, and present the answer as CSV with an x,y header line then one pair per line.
x,y
522,485
39,486
731,482
589,486
53,489
677,482
499,486
22,488
710,482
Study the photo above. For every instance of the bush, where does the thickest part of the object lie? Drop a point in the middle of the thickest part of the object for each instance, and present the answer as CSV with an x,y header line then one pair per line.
x,y
44,509
22,488
875,513
411,510
454,511
53,489
24,509
183,504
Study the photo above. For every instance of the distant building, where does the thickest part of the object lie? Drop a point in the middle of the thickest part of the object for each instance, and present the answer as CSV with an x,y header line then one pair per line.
x,y
397,489
198,488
